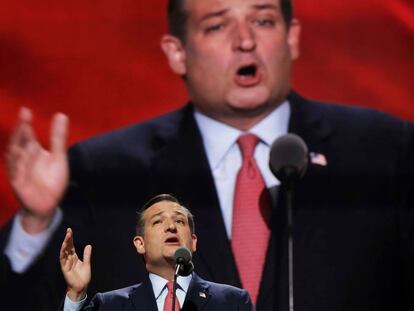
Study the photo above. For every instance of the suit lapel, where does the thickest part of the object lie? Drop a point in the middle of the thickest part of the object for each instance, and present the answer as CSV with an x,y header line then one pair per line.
x,y
198,294
181,168
308,121
143,297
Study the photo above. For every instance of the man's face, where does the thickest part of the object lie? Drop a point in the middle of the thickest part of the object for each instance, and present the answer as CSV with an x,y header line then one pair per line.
x,y
166,229
237,56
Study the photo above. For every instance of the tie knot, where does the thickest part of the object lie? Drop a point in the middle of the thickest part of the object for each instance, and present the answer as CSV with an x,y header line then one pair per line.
x,y
170,286
247,143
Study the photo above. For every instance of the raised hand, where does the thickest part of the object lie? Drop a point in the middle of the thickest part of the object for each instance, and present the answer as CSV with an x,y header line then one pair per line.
x,y
77,273
38,176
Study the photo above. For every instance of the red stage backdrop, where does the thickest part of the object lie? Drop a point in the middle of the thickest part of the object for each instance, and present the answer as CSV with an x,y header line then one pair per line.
x,y
99,61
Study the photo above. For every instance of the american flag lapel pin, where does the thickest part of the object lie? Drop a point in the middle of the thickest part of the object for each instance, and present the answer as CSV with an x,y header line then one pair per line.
x,y
318,159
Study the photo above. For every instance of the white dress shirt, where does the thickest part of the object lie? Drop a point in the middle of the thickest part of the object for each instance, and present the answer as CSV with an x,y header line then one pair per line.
x,y
159,286
224,155
23,248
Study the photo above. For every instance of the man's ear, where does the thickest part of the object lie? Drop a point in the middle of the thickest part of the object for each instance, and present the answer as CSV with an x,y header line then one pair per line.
x,y
193,243
139,244
294,38
175,53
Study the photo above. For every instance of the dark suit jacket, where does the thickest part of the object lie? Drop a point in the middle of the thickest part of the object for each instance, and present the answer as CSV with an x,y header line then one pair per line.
x,y
353,234
202,295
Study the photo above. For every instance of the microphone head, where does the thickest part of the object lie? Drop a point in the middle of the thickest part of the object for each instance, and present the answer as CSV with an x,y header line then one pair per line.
x,y
288,158
182,258
186,269
182,255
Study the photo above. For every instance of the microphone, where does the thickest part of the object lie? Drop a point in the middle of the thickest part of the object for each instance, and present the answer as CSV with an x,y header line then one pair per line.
x,y
184,265
182,255
288,158
288,161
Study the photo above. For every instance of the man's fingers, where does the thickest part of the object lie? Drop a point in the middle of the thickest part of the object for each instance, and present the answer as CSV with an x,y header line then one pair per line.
x,y
69,240
25,115
87,252
24,124
21,138
67,247
58,133
64,246
69,234
14,157
22,134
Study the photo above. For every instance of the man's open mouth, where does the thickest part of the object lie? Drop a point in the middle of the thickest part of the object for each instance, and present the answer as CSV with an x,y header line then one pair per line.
x,y
248,75
172,240
247,71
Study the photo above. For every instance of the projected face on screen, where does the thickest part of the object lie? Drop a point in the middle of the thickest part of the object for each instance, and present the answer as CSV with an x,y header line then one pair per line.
x,y
236,57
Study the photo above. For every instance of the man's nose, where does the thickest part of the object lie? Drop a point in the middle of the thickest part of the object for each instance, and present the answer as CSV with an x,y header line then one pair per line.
x,y
171,226
244,39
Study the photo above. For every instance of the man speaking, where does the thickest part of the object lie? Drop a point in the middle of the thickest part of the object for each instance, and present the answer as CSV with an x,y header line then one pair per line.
x,y
163,226
353,214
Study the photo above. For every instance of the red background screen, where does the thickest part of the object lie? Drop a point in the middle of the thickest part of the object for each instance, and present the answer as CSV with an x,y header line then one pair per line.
x,y
99,62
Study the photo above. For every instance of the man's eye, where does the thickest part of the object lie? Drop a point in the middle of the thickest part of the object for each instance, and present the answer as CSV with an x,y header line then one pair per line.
x,y
265,22
155,222
180,221
214,28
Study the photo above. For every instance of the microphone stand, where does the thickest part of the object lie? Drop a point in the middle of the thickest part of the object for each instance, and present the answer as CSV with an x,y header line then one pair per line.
x,y
177,269
288,161
290,196
183,267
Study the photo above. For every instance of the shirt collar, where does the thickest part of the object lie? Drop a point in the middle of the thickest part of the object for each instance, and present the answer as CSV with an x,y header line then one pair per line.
x,y
218,137
159,283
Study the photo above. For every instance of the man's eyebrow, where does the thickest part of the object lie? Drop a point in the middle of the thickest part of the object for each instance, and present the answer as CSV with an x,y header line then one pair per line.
x,y
265,6
157,214
162,212
214,14
180,213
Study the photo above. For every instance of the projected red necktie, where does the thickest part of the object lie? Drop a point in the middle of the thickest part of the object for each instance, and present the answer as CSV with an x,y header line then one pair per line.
x,y
169,299
250,233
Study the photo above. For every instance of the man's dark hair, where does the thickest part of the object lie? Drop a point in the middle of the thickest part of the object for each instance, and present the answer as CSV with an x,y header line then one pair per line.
x,y
177,16
140,226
